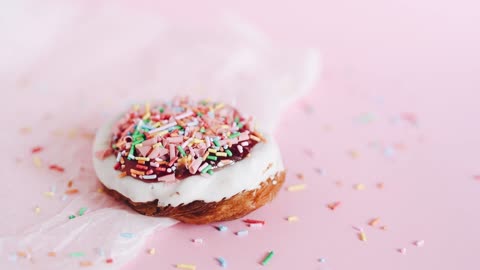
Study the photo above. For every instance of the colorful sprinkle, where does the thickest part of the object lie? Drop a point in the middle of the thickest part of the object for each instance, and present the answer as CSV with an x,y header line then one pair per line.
x,y
419,243
333,206
362,236
222,262
373,222
254,221
71,217
359,187
37,210
297,187
77,254
37,149
322,260
222,228
37,162
402,251
86,263
151,251
198,240
52,254
267,258
292,218
127,235
186,266
242,233
109,260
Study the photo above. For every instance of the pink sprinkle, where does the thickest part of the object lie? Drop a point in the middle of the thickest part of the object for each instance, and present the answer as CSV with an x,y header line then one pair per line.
x,y
172,151
143,150
155,152
403,251
244,136
419,243
169,178
177,139
149,142
476,177
244,143
207,140
195,164
37,149
183,115
240,149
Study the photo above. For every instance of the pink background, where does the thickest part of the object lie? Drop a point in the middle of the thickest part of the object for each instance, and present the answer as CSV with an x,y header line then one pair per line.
x,y
382,59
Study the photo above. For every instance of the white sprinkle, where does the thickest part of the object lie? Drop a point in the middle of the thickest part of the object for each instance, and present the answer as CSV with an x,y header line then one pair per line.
x,y
419,243
151,176
198,240
242,233
244,143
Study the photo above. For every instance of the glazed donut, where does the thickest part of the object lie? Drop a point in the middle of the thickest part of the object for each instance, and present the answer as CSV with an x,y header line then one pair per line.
x,y
197,162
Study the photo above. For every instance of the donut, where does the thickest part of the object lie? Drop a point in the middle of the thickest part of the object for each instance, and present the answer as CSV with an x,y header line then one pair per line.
x,y
195,161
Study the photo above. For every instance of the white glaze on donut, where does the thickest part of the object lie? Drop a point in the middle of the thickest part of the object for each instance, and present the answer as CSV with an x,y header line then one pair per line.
x,y
226,182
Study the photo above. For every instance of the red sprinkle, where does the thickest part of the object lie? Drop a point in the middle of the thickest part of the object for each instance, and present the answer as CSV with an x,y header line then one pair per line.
x,y
57,168
110,260
71,191
333,205
37,149
476,177
253,221
141,167
117,166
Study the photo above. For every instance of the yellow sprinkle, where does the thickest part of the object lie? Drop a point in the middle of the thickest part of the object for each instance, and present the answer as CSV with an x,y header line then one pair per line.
x,y
221,154
297,187
160,133
37,210
49,194
158,124
219,106
142,158
151,251
139,145
186,266
147,107
197,141
157,145
212,150
292,218
225,126
146,116
255,138
362,237
37,161
359,187
72,133
136,107
205,156
100,190
374,222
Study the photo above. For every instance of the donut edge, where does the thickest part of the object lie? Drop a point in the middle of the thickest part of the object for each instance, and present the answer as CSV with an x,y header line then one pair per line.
x,y
200,212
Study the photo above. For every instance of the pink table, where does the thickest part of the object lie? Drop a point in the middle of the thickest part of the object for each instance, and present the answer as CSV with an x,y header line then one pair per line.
x,y
391,131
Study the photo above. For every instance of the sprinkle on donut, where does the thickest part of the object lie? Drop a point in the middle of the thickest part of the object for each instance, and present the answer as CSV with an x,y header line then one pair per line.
x,y
169,141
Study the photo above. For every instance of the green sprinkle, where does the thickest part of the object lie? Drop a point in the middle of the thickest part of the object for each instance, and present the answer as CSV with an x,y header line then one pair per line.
x,y
130,154
207,168
216,142
161,110
71,217
229,153
234,135
240,125
267,258
77,254
199,114
237,119
182,152
202,130
212,157
210,172
82,211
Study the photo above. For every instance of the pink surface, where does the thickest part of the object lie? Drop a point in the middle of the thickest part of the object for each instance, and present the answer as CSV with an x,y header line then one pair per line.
x,y
381,62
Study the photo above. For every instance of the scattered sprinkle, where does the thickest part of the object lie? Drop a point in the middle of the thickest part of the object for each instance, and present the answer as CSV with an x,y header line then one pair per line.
x,y
57,168
37,149
242,233
52,254
359,187
402,251
37,210
151,251
109,260
267,258
253,221
70,184
383,228
222,228
71,217
77,254
127,235
419,243
297,187
82,211
300,176
319,171
362,236
374,222
333,206
380,185
22,254
86,263
292,218
186,266
322,260
222,262
476,177
198,240
353,154
49,194
71,191
37,162
255,225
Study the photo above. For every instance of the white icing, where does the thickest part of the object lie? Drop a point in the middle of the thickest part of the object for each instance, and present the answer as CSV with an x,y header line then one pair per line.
x,y
246,174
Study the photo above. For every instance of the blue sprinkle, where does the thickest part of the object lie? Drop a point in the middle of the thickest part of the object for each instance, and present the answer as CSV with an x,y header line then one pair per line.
x,y
222,228
222,262
127,235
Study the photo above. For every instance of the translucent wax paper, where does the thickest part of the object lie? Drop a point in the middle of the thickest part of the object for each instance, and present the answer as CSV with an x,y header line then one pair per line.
x,y
81,66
